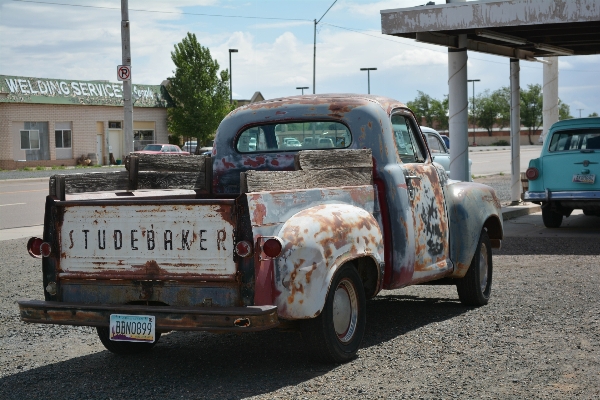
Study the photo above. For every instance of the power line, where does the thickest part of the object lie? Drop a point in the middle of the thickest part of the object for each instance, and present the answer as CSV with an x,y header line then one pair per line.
x,y
355,30
163,12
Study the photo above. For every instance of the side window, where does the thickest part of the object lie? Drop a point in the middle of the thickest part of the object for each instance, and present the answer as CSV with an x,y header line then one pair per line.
x,y
434,144
408,145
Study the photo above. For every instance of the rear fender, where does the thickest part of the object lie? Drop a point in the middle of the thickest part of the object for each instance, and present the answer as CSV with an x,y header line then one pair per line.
x,y
317,241
472,207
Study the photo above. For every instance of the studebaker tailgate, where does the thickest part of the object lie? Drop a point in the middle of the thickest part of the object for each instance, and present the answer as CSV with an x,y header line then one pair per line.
x,y
146,239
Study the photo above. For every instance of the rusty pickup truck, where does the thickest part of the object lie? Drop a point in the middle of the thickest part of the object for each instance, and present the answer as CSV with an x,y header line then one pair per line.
x,y
307,207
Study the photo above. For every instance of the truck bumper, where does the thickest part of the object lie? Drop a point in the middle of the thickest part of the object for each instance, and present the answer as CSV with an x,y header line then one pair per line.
x,y
212,319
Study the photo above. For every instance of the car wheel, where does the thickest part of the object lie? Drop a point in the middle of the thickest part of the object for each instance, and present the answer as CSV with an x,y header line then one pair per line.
x,y
335,335
551,218
475,288
123,348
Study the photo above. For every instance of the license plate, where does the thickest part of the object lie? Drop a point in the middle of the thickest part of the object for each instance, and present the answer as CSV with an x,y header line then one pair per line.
x,y
584,178
132,328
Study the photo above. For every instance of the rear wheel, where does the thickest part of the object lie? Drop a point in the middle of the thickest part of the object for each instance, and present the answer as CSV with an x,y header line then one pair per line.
x,y
551,218
335,335
123,348
475,288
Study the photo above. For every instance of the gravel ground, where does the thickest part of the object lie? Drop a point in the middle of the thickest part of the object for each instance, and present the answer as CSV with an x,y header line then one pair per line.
x,y
538,338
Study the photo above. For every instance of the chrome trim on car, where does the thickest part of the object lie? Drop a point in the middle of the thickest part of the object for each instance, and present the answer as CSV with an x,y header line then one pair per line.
x,y
566,195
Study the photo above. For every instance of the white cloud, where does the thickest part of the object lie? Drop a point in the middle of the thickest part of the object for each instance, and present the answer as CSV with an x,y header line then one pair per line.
x,y
416,57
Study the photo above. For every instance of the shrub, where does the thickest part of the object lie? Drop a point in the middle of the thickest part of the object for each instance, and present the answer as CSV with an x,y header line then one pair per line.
x,y
501,142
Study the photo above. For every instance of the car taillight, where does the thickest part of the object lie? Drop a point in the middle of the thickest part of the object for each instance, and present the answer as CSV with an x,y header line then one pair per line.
x,y
33,247
243,248
45,249
37,248
272,247
532,173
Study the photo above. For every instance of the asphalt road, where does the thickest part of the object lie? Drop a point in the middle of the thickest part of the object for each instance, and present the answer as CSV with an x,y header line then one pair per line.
x,y
22,202
493,161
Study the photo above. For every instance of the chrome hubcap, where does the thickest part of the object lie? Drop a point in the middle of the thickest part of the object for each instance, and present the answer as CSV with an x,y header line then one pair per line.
x,y
345,311
483,267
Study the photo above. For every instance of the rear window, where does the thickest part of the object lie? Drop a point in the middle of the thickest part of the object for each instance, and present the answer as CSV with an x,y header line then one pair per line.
x,y
294,136
153,147
575,139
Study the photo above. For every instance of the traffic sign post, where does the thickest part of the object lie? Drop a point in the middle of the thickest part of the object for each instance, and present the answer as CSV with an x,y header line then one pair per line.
x,y
124,72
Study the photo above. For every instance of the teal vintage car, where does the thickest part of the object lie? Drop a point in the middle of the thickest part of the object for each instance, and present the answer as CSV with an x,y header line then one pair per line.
x,y
566,175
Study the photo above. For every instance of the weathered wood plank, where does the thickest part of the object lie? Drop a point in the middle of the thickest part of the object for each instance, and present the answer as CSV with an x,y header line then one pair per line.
x,y
92,182
119,180
338,177
169,162
336,159
171,180
266,181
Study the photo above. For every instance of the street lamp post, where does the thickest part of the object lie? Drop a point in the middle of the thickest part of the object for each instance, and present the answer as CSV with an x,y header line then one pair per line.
x,y
302,88
315,45
473,80
368,77
230,87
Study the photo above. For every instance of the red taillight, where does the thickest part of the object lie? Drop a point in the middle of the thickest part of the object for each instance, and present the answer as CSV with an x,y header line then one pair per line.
x,y
532,173
243,248
45,249
272,247
33,247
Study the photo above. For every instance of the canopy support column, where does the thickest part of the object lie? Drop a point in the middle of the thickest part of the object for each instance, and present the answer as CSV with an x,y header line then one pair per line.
x,y
458,110
515,132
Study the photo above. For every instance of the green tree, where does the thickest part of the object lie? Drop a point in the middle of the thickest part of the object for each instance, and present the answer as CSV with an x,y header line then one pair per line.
x,y
502,99
421,106
198,91
486,111
531,108
430,109
564,111
594,114
439,110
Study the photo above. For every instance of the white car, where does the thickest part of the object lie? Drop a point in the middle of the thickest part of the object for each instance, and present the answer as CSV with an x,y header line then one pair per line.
x,y
439,151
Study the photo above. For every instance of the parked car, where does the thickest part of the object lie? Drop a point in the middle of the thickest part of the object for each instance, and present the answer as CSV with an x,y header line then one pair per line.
x,y
190,146
446,140
439,151
565,176
206,149
162,149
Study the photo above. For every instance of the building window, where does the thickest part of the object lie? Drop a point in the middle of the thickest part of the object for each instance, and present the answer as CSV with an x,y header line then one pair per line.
x,y
141,138
30,140
62,138
114,124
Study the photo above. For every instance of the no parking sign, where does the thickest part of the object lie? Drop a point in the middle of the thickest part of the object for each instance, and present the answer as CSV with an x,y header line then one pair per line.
x,y
124,72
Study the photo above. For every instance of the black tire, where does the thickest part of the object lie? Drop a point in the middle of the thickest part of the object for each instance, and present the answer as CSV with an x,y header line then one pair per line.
x,y
475,288
335,336
551,218
123,348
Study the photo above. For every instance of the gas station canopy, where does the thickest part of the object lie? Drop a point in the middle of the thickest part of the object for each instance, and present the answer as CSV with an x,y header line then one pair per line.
x,y
521,29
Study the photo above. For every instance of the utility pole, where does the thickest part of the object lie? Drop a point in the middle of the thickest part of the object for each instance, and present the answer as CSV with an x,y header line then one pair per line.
x,y
315,45
127,103
302,88
580,110
473,80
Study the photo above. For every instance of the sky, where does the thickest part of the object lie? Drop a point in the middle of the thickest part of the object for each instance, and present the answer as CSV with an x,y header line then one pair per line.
x,y
81,40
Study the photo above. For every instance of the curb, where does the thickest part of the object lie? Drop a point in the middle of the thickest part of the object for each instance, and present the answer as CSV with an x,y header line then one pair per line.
x,y
511,212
